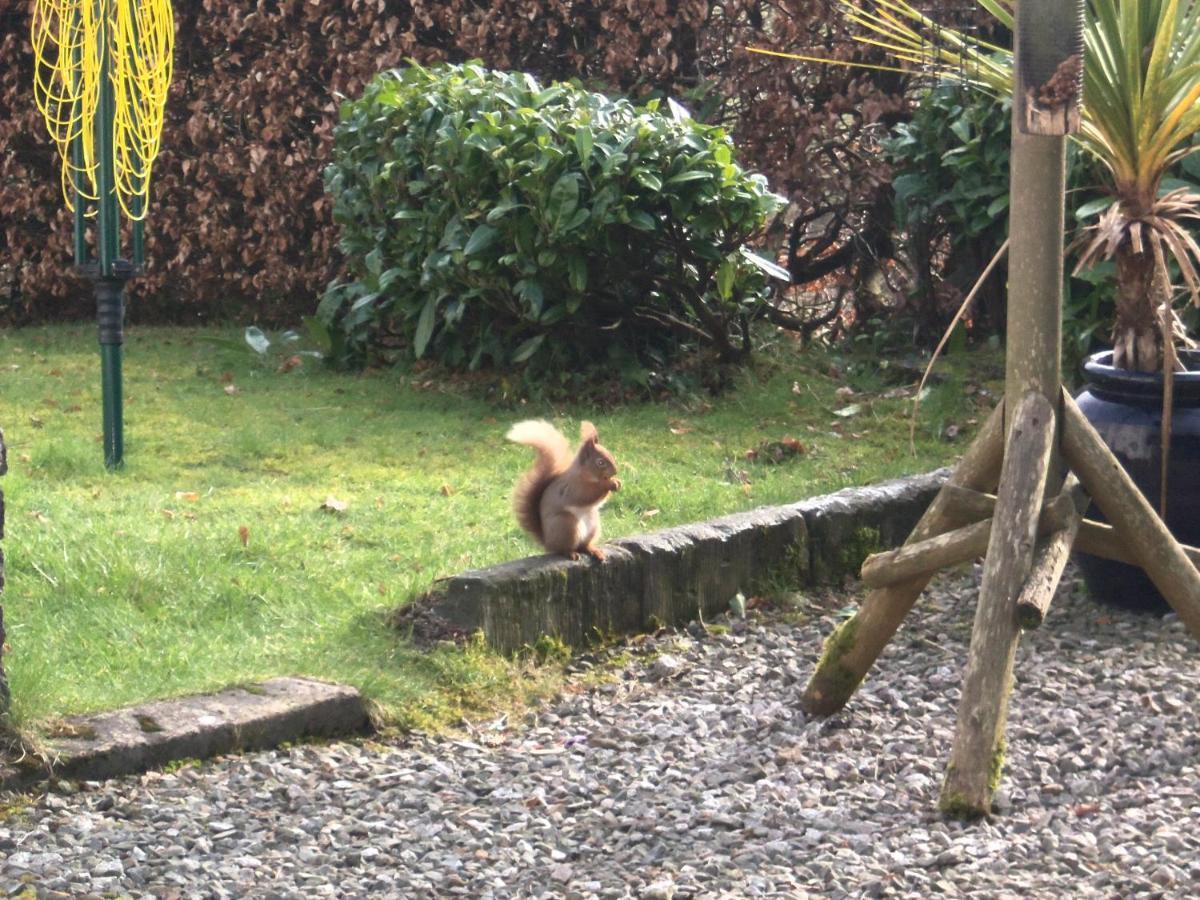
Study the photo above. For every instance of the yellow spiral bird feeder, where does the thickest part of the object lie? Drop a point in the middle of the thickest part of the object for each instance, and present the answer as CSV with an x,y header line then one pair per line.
x,y
102,69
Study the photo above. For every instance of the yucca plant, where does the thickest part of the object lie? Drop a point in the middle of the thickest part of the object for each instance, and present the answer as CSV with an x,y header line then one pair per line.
x,y
1141,113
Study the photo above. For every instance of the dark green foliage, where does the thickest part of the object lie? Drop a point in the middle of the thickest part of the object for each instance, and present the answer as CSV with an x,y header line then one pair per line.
x,y
951,188
490,221
952,160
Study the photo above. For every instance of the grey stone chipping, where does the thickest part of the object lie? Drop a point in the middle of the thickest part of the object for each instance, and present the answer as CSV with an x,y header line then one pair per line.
x,y
695,778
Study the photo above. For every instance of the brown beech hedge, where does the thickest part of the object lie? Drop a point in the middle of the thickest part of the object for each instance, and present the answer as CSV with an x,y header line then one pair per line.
x,y
241,227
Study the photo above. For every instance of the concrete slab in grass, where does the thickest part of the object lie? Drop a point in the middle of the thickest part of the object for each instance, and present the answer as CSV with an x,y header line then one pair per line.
x,y
679,574
243,718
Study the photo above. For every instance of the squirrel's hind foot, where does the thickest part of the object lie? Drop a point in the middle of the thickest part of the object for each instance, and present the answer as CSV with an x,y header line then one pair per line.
x,y
595,552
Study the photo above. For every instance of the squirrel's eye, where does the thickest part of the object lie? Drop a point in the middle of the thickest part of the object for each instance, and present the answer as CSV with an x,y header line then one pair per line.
x,y
599,462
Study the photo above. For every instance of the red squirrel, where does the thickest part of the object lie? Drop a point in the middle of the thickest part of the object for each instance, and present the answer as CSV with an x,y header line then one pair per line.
x,y
558,500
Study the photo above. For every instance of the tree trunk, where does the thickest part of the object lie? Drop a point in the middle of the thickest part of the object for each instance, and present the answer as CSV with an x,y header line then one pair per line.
x,y
1137,338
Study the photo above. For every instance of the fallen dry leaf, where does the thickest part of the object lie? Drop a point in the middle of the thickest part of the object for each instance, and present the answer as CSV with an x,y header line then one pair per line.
x,y
244,535
447,490
190,496
650,513
334,505
844,393
775,452
231,389
168,513
292,362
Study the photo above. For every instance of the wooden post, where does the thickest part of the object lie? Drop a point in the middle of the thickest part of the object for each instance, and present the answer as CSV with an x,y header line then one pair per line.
x,y
1153,546
928,556
1035,268
970,506
1051,559
1037,188
853,648
1101,539
977,757
1032,388
1049,69
952,547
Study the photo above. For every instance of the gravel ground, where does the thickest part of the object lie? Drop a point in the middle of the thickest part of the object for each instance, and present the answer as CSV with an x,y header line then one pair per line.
x,y
691,773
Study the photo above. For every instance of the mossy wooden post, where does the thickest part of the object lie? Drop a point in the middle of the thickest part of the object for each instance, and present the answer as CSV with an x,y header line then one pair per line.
x,y
1048,36
953,547
1051,558
975,760
4,694
853,648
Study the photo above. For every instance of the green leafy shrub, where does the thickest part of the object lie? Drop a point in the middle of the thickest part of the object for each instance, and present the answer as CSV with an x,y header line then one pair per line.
x,y
951,188
951,182
490,221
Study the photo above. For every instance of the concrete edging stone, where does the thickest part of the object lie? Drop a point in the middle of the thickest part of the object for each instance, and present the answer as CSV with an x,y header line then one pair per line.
x,y
134,739
676,575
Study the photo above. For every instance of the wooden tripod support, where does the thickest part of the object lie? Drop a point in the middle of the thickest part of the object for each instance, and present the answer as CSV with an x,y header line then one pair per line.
x,y
1037,452
1021,571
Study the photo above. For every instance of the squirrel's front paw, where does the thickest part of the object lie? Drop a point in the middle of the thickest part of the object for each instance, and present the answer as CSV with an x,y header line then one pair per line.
x,y
614,484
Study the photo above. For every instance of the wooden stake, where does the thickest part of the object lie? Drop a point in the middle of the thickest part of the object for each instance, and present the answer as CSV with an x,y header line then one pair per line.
x,y
853,648
1051,559
1153,546
1100,539
976,759
969,506
925,557
952,547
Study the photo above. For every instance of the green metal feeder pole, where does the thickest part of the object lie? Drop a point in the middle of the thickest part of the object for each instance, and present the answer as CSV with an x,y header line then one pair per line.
x,y
110,316
110,273
102,72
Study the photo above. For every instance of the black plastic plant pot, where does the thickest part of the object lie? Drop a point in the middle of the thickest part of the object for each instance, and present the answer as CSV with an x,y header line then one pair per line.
x,y
1126,409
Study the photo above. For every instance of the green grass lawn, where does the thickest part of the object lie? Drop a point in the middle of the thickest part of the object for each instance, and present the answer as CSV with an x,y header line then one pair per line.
x,y
209,559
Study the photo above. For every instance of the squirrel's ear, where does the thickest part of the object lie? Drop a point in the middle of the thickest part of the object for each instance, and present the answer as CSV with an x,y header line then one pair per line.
x,y
587,433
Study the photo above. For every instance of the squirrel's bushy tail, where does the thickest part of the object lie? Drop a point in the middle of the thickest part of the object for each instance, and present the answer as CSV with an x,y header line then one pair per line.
x,y
553,458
